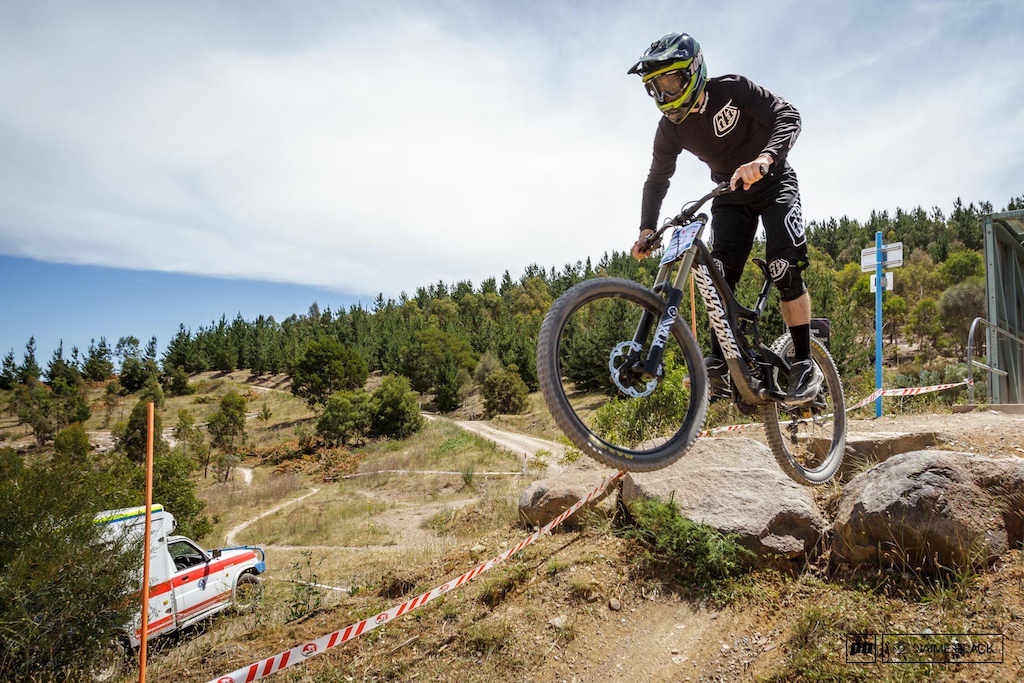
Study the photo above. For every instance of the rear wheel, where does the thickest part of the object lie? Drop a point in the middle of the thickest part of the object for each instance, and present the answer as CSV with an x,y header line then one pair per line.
x,y
113,662
808,441
584,358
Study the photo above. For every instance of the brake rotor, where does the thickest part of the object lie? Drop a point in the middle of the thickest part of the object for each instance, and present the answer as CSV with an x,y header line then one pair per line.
x,y
622,351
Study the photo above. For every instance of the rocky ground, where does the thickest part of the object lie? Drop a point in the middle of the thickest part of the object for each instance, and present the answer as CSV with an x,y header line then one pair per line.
x,y
666,637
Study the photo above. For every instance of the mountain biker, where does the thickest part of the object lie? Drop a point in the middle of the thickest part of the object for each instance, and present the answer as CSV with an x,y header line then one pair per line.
x,y
737,128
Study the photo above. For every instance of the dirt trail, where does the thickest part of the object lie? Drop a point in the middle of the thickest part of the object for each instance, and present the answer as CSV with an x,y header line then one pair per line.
x,y
229,539
550,452
666,640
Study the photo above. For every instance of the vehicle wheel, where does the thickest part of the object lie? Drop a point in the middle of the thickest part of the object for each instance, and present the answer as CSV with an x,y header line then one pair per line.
x,y
113,662
248,592
809,440
626,423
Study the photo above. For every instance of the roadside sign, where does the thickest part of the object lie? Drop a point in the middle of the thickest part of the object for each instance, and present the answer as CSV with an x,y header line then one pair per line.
x,y
892,257
886,282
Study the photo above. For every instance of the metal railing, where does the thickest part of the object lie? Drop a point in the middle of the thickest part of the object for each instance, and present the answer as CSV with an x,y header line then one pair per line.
x,y
971,363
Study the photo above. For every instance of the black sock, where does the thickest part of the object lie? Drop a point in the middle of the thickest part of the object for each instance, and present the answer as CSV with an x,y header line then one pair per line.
x,y
801,335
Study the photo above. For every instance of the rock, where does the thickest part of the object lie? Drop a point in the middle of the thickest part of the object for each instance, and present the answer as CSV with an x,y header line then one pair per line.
x,y
546,499
478,549
614,605
866,450
735,485
931,509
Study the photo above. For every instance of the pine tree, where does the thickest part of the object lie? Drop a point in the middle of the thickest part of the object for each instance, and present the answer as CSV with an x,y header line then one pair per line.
x,y
8,372
327,367
98,365
29,370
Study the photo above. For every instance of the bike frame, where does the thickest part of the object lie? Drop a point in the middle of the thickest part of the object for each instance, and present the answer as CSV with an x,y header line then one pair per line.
x,y
750,361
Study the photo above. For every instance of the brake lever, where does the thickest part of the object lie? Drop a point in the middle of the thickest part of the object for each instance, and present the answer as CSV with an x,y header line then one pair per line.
x,y
652,241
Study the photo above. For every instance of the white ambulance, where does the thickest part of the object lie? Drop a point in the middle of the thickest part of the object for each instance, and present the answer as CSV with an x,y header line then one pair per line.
x,y
186,583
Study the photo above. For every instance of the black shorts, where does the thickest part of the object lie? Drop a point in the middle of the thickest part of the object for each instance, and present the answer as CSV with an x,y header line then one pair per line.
x,y
776,199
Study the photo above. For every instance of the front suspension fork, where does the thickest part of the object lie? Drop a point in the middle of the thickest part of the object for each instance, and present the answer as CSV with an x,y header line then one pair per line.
x,y
650,368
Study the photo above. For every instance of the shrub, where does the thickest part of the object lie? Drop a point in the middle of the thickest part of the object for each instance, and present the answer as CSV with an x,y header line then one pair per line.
x,y
72,443
132,438
633,420
395,409
58,615
346,417
486,366
680,550
175,382
505,392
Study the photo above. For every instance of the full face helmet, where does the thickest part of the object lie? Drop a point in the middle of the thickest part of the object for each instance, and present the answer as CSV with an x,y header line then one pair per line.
x,y
674,74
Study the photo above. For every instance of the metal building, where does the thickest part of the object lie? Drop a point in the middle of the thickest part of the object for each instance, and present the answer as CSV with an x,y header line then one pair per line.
x,y
1004,284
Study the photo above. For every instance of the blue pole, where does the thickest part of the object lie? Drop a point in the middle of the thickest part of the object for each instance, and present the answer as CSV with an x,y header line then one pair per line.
x,y
878,320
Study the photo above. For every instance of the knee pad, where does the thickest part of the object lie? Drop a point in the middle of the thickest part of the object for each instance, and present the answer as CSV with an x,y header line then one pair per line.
x,y
786,276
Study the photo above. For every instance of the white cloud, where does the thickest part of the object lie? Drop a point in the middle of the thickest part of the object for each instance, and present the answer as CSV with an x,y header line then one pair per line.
x,y
382,150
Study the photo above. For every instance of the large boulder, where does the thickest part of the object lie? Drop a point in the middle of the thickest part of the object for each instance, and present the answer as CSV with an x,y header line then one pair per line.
x,y
865,450
546,499
931,509
735,485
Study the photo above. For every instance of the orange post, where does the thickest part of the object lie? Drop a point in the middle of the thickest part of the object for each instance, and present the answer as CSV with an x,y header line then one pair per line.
x,y
145,546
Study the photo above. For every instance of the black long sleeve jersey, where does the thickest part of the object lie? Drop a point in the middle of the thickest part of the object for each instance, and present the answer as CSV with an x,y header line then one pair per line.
x,y
738,122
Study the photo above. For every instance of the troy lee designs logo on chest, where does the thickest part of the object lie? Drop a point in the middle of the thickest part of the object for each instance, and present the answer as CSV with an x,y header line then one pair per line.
x,y
726,118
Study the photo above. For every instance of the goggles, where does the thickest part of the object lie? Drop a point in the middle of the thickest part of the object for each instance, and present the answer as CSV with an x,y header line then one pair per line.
x,y
668,86
674,81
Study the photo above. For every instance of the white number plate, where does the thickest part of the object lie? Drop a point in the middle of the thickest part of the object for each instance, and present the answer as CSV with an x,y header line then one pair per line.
x,y
682,239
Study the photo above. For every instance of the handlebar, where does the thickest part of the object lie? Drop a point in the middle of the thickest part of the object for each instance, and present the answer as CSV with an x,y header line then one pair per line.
x,y
690,210
685,216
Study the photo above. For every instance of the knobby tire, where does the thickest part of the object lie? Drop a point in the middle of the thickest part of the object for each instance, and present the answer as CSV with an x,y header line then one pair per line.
x,y
648,456
833,430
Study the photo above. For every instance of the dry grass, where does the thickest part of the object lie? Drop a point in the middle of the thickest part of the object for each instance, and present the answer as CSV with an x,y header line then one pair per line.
x,y
537,421
440,445
233,502
323,522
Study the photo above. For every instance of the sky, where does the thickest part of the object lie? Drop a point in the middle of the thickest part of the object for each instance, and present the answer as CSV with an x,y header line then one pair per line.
x,y
169,163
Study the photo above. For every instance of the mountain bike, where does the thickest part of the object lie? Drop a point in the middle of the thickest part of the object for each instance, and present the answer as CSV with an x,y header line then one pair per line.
x,y
624,377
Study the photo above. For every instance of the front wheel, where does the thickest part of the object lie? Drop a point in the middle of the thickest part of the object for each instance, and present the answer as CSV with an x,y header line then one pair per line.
x,y
248,592
808,441
585,353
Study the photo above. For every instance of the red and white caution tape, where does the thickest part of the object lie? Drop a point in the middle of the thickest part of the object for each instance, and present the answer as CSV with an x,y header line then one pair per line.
x,y
729,428
301,653
912,391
